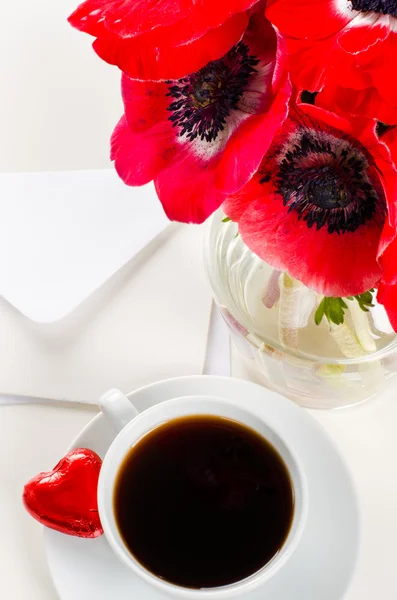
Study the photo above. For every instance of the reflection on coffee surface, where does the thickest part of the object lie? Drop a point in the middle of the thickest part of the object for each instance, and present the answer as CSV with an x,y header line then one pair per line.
x,y
203,502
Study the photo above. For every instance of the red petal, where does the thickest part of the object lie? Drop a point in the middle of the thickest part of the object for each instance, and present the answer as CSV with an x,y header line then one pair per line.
x,y
195,25
390,139
236,204
365,103
187,190
388,258
261,37
247,146
209,14
311,19
129,18
140,157
315,113
141,60
314,63
387,252
145,103
364,31
387,295
379,61
343,69
360,128
308,62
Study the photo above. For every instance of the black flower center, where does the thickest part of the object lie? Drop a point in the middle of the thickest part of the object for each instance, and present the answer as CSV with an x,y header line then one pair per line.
x,y
325,179
325,190
385,7
203,100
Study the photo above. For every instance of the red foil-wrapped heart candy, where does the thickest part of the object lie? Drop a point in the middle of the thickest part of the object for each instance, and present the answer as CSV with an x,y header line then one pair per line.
x,y
65,498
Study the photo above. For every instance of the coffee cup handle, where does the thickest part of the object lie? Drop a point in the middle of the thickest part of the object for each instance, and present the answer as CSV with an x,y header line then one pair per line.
x,y
117,409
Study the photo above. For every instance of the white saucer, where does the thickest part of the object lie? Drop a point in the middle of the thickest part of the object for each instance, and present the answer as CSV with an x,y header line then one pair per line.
x,y
320,568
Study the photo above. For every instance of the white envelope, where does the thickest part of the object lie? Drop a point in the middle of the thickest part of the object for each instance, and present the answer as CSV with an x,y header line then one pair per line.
x,y
148,321
63,234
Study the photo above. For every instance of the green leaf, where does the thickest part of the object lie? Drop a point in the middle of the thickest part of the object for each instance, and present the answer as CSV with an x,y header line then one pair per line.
x,y
365,300
336,310
333,308
318,317
226,220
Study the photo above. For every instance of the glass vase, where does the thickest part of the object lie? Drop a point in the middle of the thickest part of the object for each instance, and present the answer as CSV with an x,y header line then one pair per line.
x,y
271,319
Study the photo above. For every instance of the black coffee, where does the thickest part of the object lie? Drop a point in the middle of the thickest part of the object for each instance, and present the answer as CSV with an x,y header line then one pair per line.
x,y
203,502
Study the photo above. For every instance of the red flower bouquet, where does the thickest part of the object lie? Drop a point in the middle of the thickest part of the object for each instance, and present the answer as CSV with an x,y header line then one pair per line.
x,y
283,113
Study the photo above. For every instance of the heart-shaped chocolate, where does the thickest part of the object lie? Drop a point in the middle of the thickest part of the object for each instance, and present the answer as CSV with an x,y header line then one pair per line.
x,y
65,498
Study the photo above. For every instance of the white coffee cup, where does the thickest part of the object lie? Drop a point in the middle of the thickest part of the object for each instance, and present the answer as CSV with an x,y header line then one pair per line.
x,y
133,426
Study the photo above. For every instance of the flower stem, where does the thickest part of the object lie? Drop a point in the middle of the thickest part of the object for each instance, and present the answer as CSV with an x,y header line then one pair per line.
x,y
361,326
288,308
346,340
272,292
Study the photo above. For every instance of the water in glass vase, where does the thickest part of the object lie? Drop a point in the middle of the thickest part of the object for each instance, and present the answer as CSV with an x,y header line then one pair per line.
x,y
272,317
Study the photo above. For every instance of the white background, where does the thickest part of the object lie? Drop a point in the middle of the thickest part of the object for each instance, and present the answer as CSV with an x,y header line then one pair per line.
x,y
58,101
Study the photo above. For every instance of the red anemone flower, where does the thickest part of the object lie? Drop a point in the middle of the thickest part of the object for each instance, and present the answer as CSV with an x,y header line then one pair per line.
x,y
203,136
162,39
317,206
350,45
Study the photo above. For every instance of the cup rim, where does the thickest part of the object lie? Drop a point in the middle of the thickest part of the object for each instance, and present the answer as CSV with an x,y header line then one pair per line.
x,y
109,471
